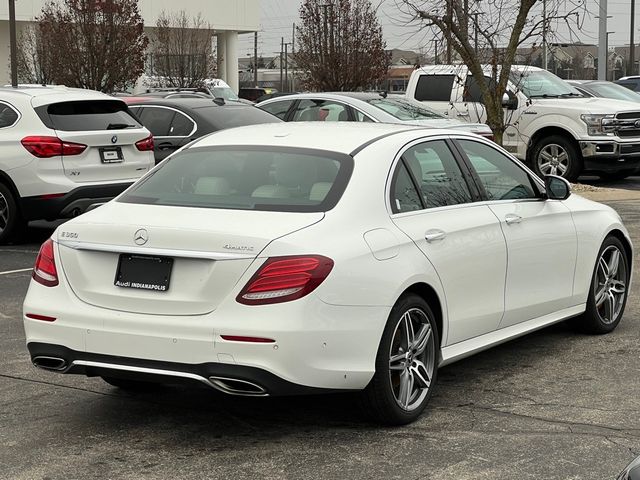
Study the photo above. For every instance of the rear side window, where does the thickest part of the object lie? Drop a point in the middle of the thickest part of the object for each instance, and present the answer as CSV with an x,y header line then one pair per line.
x,y
247,178
434,88
157,120
229,116
8,116
87,115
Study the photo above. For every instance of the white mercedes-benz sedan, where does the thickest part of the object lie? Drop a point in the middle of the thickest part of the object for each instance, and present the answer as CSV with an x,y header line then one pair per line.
x,y
304,258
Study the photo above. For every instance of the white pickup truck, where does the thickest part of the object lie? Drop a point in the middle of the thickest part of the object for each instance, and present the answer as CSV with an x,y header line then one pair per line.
x,y
549,124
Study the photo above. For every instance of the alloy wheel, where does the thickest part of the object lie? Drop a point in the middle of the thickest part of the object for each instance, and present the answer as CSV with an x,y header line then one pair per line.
x,y
412,359
553,159
610,284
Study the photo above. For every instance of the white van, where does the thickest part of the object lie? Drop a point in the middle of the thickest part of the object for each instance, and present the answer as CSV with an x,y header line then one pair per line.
x,y
550,125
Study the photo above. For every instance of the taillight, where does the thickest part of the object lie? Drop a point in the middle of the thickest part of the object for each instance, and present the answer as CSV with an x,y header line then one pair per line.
x,y
45,271
281,279
146,144
47,147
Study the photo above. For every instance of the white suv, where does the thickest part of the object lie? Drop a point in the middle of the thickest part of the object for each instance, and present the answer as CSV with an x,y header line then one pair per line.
x,y
63,149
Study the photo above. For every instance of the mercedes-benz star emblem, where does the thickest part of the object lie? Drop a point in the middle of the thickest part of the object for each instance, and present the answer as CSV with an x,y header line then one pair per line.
x,y
114,139
141,237
637,124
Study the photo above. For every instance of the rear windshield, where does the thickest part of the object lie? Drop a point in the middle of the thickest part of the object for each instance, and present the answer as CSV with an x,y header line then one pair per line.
x,y
87,115
229,116
247,178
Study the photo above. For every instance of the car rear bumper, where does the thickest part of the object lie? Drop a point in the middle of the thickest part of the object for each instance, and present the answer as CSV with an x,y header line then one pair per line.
x,y
315,346
227,378
70,204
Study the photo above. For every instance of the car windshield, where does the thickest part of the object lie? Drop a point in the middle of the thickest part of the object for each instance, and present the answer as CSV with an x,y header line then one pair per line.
x,y
224,92
404,109
542,84
611,90
247,178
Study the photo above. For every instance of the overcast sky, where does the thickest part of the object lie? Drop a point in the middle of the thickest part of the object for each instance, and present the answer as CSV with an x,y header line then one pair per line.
x,y
277,18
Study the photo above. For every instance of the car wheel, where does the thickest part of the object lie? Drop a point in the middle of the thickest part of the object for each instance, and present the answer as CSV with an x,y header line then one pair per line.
x,y
132,385
406,364
608,291
12,225
556,155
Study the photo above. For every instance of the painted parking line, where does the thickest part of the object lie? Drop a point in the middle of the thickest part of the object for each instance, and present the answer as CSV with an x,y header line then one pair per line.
x,y
8,272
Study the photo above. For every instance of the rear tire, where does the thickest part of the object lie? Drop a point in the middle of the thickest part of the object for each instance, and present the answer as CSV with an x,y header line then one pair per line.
x,y
608,291
132,385
12,225
556,155
406,364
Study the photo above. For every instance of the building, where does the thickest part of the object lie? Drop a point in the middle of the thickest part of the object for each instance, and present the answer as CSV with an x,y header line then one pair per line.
x,y
228,19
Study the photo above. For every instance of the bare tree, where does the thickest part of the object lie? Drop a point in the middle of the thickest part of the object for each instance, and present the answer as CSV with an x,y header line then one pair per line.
x,y
501,28
33,66
339,45
96,44
182,51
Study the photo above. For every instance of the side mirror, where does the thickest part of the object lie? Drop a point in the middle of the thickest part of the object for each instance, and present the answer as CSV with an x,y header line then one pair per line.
x,y
509,101
558,188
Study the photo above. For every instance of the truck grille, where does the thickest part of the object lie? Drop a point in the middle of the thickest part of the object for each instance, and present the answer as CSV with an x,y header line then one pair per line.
x,y
628,116
626,124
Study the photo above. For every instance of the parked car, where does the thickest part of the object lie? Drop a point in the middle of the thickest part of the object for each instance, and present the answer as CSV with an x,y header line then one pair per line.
x,y
631,82
62,150
550,125
175,122
253,93
363,107
604,89
323,257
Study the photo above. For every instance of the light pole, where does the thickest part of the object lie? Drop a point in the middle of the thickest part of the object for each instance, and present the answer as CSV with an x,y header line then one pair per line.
x,y
13,44
606,65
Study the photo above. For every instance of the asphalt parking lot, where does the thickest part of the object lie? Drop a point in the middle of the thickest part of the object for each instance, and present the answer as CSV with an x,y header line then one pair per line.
x,y
551,405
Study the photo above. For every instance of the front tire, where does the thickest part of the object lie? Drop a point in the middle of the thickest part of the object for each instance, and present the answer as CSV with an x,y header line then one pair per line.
x,y
556,155
608,291
406,364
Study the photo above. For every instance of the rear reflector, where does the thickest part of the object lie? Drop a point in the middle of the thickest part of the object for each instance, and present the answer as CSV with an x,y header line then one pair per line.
x,y
237,338
146,144
44,271
282,279
47,147
44,318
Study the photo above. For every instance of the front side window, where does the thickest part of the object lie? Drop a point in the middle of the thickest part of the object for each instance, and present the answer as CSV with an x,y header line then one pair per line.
x,y
438,174
320,111
472,91
500,176
247,178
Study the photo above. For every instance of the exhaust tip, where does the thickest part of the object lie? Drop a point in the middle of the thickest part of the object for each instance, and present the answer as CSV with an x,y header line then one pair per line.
x,y
50,363
236,386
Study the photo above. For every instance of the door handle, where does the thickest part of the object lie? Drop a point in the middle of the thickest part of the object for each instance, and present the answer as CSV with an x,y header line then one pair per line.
x,y
511,218
434,235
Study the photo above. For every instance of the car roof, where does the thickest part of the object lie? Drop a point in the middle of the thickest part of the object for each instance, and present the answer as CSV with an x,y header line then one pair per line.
x,y
342,137
188,103
47,94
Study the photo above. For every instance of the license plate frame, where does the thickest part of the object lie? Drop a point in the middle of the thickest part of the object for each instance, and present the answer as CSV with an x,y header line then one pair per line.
x,y
111,155
144,272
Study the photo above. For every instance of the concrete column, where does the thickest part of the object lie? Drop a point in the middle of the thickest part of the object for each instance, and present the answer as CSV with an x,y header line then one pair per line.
x,y
222,55
231,57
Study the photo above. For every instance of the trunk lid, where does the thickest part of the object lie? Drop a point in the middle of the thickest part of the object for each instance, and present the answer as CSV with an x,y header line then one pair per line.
x,y
211,249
